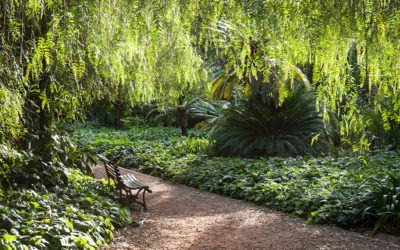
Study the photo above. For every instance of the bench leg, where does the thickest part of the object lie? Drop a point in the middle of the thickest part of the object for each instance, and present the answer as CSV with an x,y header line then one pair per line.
x,y
134,197
144,201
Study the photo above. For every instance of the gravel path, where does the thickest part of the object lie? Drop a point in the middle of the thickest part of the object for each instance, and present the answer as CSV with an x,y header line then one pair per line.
x,y
181,217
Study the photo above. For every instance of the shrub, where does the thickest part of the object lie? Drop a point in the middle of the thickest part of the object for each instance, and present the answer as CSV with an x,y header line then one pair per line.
x,y
256,128
386,209
81,215
53,205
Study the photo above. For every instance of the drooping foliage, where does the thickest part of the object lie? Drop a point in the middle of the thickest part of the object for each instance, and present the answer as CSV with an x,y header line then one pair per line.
x,y
346,48
66,60
10,114
43,61
250,65
60,57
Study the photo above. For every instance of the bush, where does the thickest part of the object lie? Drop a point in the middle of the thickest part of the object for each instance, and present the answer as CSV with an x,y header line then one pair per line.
x,y
386,210
53,205
258,127
81,215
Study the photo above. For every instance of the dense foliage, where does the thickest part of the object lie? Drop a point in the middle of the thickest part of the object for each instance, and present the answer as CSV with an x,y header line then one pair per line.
x,y
81,216
54,205
350,192
67,59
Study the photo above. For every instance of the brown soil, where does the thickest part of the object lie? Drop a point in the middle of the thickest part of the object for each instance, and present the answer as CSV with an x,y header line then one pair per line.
x,y
181,217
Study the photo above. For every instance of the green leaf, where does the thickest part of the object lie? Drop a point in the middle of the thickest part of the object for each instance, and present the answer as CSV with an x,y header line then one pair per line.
x,y
9,237
90,200
34,204
71,210
69,224
36,240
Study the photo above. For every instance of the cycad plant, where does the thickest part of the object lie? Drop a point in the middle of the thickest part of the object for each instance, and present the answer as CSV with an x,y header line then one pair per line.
x,y
179,115
208,112
258,127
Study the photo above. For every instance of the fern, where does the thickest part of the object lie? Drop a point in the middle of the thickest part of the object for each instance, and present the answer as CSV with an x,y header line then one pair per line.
x,y
10,115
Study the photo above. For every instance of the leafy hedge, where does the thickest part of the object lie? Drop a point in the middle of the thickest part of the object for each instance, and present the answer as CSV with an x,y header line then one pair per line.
x,y
350,192
78,214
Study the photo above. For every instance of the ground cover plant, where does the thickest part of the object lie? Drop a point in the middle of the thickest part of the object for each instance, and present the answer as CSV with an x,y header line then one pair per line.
x,y
352,192
76,213
80,217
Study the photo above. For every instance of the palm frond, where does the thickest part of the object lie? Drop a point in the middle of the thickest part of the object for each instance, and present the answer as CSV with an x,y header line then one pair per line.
x,y
223,86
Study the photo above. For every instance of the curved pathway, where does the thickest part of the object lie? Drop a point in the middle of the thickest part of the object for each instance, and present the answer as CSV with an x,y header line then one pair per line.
x,y
181,217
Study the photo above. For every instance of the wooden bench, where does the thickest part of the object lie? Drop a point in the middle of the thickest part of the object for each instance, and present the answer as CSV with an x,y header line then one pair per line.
x,y
128,183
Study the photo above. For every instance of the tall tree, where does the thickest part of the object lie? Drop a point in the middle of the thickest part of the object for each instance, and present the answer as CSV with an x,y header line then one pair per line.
x,y
44,59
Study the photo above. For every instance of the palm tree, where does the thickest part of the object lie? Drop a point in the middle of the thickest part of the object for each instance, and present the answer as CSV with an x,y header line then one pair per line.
x,y
176,114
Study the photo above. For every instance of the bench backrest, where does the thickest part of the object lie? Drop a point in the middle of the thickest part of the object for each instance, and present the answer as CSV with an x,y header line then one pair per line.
x,y
112,171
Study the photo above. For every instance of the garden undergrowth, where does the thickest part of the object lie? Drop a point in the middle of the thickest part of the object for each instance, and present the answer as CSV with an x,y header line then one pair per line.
x,y
79,214
350,192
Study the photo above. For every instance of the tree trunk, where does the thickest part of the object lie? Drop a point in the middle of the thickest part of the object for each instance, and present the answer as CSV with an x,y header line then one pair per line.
x,y
183,117
44,145
45,121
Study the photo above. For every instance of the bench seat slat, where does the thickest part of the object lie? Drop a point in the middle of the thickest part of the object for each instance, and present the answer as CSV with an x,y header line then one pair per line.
x,y
131,181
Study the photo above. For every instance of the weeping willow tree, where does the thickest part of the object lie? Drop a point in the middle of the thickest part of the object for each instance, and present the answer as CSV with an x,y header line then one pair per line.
x,y
166,65
352,46
151,50
40,53
317,33
58,56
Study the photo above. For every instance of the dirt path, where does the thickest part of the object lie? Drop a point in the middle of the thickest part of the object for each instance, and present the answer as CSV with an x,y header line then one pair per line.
x,y
181,217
